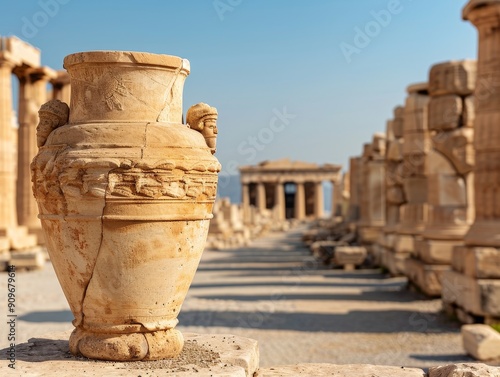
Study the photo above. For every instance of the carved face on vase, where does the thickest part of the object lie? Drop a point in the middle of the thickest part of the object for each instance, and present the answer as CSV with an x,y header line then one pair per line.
x,y
209,132
203,118
51,115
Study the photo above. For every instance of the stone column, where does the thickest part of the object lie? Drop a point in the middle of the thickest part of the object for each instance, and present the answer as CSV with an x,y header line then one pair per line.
x,y
485,15
346,193
318,200
416,147
279,201
32,94
61,88
337,189
245,201
472,289
373,195
261,196
8,218
300,201
355,165
393,260
448,167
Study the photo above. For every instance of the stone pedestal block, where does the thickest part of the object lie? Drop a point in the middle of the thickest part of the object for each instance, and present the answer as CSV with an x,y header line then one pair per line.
x,y
425,276
203,355
479,297
435,251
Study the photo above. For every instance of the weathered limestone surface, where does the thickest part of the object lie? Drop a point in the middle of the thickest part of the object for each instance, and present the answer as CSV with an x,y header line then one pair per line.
x,y
448,170
464,370
392,252
476,265
320,370
481,341
204,355
415,148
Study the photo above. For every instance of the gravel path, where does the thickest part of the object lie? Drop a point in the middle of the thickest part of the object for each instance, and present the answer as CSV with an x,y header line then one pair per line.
x,y
273,291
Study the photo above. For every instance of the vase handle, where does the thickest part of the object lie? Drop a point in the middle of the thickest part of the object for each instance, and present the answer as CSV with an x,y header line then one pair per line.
x,y
52,114
203,118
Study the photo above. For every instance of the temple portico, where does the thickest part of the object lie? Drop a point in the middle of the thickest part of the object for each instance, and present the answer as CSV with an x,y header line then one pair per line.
x,y
291,189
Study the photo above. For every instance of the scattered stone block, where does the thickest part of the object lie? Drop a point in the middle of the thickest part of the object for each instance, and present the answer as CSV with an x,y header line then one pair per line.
x,y
349,256
31,259
464,370
481,341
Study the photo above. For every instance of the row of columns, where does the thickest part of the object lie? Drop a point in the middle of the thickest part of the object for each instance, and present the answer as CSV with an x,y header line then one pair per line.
x,y
279,200
442,160
18,209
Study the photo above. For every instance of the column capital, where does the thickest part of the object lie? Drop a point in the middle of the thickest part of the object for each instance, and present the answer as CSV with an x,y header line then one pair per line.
x,y
42,73
61,79
7,60
481,9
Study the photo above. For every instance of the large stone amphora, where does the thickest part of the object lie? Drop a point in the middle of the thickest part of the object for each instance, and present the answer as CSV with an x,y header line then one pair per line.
x,y
125,194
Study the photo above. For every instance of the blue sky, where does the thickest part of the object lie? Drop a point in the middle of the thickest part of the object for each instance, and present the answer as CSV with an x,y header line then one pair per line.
x,y
277,70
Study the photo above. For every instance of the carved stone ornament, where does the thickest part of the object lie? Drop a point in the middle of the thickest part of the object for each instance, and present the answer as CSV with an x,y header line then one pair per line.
x,y
125,194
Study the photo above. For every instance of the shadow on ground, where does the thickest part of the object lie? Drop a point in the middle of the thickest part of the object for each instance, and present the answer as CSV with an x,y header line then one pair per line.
x,y
48,316
388,321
